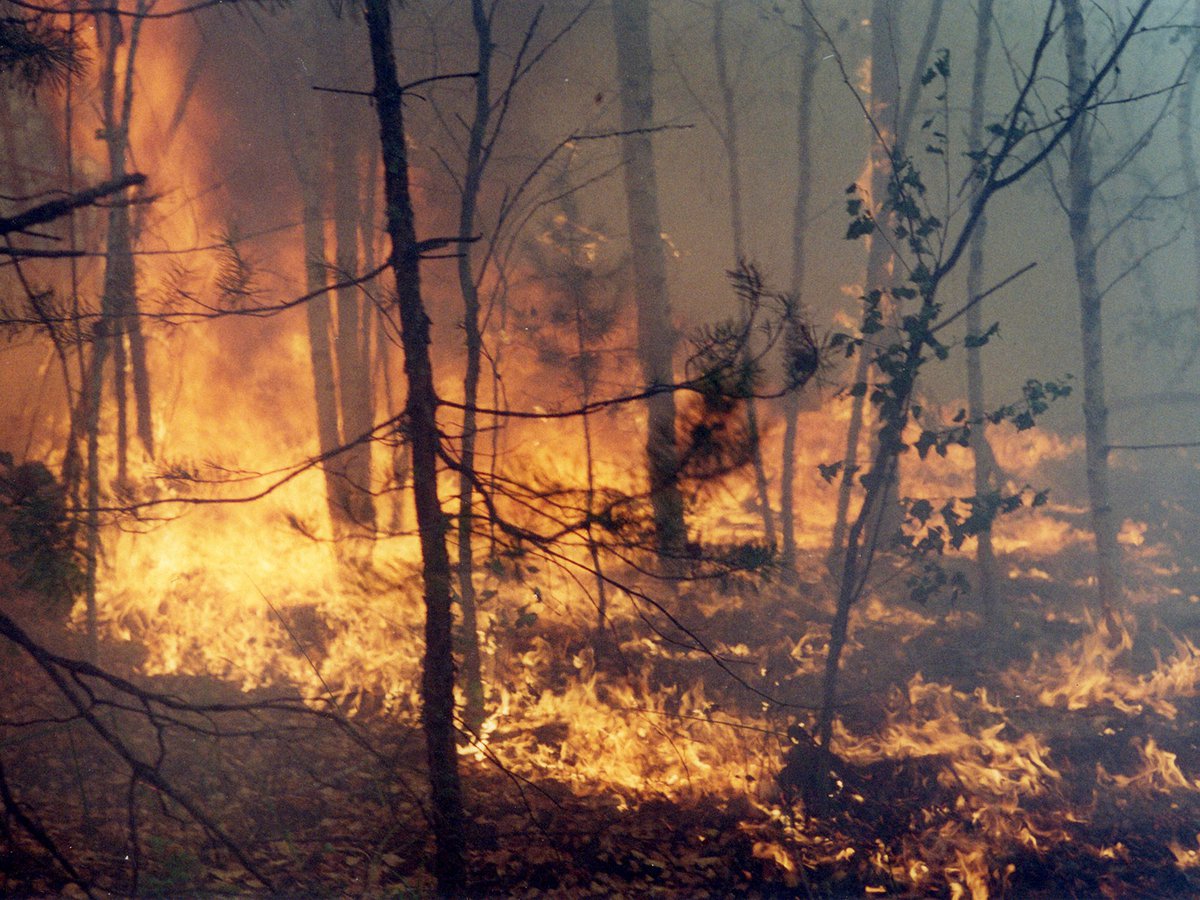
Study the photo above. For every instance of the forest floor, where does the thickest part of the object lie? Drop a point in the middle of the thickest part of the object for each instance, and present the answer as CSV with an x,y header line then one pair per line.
x,y
971,775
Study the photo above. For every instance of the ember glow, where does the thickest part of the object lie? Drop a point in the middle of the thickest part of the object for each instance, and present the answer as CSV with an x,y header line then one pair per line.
x,y
651,714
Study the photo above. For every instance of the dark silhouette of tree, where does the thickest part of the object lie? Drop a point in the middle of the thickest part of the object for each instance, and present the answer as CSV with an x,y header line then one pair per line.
x,y
437,686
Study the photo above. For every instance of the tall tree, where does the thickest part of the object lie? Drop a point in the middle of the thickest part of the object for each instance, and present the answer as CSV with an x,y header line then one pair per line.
x,y
1186,121
404,259
985,472
476,162
1081,192
899,363
119,319
355,395
890,123
656,337
883,113
120,303
338,322
730,138
810,41
308,160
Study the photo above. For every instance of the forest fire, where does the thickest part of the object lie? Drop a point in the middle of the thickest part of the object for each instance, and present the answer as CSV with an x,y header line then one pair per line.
x,y
398,498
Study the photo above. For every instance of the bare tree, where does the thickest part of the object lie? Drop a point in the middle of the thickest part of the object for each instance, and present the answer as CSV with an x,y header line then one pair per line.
x,y
891,124
656,335
810,42
350,159
1081,190
119,317
730,137
437,686
985,471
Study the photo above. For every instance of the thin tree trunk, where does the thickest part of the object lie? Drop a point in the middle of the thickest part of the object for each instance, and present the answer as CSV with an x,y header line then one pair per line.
x,y
1187,152
353,370
732,156
472,676
893,123
810,42
320,347
118,302
884,107
985,464
437,687
575,285
656,335
1095,414
307,160
120,276
93,396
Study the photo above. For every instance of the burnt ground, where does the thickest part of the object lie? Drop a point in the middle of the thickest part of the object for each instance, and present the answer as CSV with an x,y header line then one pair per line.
x,y
329,806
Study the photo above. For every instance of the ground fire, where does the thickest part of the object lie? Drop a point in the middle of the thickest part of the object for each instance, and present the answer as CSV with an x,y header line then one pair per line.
x,y
494,449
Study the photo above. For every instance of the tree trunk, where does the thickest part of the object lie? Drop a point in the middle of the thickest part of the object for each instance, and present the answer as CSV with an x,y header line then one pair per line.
x,y
656,335
578,276
93,388
893,124
437,687
1187,152
1081,189
120,277
353,368
308,161
810,42
985,464
884,109
732,156
318,315
472,676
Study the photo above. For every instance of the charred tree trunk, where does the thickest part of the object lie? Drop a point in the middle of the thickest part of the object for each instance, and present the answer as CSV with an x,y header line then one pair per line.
x,y
472,676
656,335
810,41
1081,190
737,226
437,688
985,463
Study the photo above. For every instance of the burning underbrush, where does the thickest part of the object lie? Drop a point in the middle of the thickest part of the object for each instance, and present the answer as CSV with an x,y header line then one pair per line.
x,y
1055,753
1048,752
